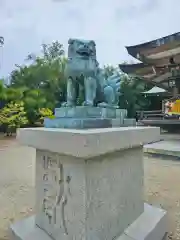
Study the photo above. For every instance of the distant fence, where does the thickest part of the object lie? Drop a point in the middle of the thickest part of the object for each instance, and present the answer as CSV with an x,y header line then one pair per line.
x,y
156,114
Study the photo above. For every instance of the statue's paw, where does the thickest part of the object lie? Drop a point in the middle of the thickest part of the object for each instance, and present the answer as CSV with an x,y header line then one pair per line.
x,y
103,104
87,104
115,106
66,104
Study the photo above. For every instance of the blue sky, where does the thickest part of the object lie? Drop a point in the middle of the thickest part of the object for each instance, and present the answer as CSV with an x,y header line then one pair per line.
x,y
113,24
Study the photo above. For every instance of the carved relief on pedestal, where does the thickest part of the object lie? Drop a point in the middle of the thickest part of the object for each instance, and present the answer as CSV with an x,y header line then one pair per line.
x,y
56,191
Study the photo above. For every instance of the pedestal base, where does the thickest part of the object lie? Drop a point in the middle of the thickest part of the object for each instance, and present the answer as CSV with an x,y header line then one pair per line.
x,y
86,117
129,122
88,123
77,123
152,224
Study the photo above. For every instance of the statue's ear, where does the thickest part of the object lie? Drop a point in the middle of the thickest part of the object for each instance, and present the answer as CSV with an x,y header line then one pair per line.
x,y
71,41
93,43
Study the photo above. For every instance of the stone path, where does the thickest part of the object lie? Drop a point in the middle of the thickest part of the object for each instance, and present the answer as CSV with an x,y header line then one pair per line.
x,y
167,147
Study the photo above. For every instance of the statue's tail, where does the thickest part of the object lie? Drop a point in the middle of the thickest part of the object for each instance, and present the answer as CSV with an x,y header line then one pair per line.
x,y
115,82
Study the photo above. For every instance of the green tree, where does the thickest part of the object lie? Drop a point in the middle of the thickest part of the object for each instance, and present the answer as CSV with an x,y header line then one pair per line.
x,y
15,94
45,72
41,84
45,113
2,90
13,116
131,97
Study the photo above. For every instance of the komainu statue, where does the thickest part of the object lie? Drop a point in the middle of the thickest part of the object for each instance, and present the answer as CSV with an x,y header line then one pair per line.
x,y
84,75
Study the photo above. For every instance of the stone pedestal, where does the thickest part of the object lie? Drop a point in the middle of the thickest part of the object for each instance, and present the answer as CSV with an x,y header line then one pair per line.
x,y
89,185
129,122
85,112
86,117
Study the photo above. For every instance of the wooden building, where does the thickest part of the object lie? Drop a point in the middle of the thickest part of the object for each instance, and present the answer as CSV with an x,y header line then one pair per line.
x,y
159,62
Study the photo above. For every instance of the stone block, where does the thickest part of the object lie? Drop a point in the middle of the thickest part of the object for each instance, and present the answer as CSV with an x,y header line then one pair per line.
x,y
151,225
116,122
85,117
128,122
87,143
85,112
121,113
92,194
89,183
77,123
27,230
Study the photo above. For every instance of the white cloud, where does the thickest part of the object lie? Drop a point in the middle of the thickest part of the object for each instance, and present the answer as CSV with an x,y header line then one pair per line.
x,y
112,24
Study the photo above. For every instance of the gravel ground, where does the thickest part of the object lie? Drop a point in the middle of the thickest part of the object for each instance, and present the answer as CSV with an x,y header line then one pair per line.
x,y
16,184
162,178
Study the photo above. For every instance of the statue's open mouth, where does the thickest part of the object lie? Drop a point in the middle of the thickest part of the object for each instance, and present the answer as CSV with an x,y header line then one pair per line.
x,y
84,53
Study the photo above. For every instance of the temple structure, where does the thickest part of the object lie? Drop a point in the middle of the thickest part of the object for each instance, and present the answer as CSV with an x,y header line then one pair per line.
x,y
159,62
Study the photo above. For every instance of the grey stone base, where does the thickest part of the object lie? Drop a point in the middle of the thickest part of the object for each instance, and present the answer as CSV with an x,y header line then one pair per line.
x,y
151,225
117,122
85,112
129,122
77,123
90,112
84,117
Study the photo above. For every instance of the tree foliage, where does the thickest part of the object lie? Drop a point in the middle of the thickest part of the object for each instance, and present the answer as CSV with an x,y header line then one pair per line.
x,y
41,83
2,90
45,113
131,97
45,72
13,116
